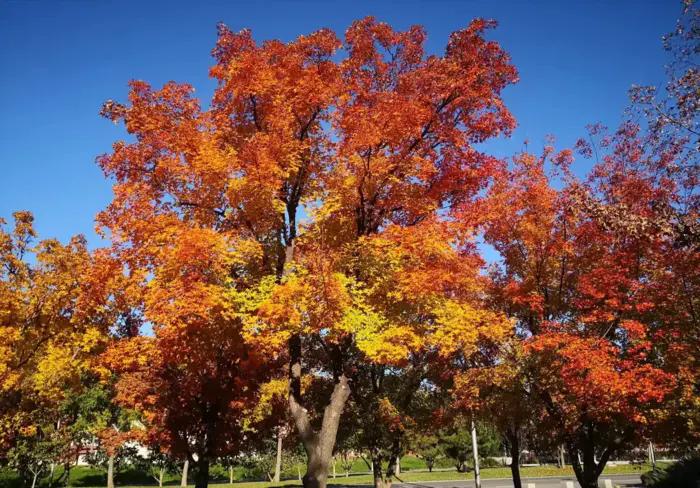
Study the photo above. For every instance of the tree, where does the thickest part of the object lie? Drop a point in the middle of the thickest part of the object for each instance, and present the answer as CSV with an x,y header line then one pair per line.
x,y
380,139
645,186
501,394
49,336
582,297
192,388
426,447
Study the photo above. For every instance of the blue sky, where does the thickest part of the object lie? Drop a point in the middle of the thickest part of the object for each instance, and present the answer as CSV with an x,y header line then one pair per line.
x,y
60,60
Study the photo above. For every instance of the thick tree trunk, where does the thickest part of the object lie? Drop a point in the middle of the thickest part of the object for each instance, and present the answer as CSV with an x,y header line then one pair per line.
x,y
514,442
278,460
185,468
201,474
588,471
110,471
318,445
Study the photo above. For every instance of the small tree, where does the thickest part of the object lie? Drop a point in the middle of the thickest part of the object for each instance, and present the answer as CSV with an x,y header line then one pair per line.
x,y
427,447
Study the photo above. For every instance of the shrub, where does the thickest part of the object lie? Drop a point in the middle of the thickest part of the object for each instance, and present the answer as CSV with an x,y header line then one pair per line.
x,y
683,474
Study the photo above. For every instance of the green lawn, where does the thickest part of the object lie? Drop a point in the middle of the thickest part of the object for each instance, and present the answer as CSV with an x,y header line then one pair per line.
x,y
83,476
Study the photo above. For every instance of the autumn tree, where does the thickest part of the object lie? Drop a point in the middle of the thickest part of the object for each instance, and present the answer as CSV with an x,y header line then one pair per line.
x,y
49,337
378,140
582,298
499,391
645,187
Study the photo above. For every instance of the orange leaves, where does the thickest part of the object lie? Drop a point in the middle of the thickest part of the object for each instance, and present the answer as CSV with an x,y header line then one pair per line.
x,y
590,375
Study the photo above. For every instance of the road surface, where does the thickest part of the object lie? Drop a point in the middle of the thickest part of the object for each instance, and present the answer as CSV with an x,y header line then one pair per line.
x,y
626,480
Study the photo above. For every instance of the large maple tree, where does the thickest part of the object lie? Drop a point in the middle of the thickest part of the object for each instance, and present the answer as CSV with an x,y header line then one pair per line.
x,y
305,157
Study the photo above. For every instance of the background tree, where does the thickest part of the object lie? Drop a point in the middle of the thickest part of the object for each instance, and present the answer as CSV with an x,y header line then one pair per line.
x,y
582,297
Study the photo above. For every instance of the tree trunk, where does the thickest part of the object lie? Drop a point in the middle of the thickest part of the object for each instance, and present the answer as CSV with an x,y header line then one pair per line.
x,y
36,474
278,461
185,468
515,460
318,445
230,475
110,471
160,477
475,452
562,461
377,472
201,474
397,470
588,471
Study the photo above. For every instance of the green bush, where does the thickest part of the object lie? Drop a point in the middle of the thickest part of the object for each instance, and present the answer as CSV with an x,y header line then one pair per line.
x,y
9,478
683,474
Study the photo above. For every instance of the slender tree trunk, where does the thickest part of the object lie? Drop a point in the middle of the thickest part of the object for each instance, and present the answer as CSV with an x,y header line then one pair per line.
x,y
318,445
201,474
230,475
160,477
185,468
652,457
562,461
515,460
398,466
36,474
110,471
377,472
278,461
475,452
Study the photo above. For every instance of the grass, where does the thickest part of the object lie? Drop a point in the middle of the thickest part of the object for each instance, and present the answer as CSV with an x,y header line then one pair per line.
x,y
366,478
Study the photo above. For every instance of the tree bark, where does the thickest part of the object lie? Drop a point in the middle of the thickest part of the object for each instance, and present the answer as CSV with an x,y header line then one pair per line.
x,y
230,475
562,461
475,452
514,442
278,460
110,471
318,445
588,470
377,472
201,474
185,468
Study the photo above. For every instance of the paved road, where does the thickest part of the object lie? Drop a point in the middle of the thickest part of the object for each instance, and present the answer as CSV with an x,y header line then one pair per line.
x,y
627,480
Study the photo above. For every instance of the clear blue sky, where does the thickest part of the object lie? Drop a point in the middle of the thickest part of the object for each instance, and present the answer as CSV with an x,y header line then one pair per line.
x,y
60,60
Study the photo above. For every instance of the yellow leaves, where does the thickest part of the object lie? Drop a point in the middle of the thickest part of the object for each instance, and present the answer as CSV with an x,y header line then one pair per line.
x,y
459,327
271,392
389,345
